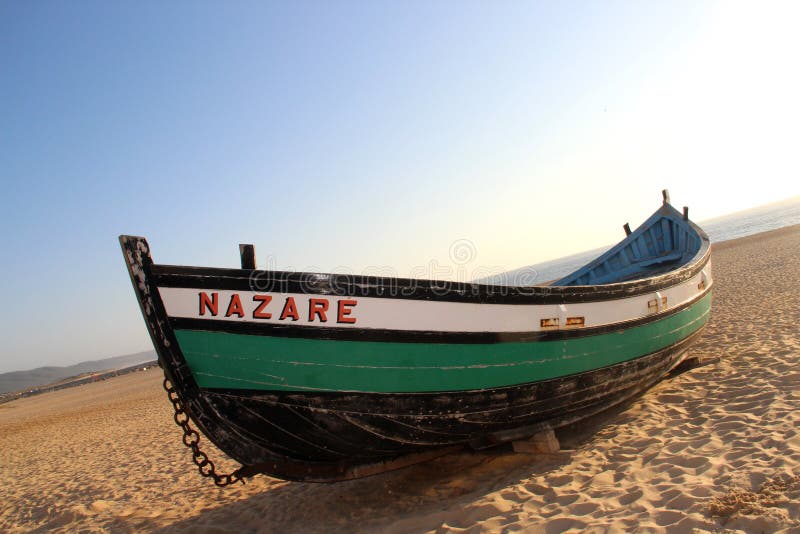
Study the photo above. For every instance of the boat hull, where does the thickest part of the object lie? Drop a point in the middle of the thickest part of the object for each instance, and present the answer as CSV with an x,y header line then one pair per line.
x,y
326,403
365,427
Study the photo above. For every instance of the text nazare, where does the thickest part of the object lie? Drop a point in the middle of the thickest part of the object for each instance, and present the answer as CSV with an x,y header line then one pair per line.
x,y
281,308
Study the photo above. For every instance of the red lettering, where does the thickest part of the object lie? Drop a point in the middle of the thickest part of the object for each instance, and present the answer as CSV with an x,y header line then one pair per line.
x,y
289,310
259,312
210,303
344,310
235,306
317,307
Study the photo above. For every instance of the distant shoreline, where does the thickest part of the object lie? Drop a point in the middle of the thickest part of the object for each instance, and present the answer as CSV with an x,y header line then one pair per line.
x,y
727,243
86,378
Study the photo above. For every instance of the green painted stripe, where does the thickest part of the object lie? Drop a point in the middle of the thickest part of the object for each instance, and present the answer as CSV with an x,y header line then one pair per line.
x,y
238,361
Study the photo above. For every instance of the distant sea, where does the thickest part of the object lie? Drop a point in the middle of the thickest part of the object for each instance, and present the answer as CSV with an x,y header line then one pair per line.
x,y
753,221
731,226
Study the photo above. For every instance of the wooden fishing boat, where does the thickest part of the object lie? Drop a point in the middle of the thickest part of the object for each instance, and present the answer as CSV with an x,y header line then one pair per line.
x,y
325,377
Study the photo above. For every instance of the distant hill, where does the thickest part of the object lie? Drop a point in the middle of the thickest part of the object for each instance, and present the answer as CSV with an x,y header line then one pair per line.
x,y
20,380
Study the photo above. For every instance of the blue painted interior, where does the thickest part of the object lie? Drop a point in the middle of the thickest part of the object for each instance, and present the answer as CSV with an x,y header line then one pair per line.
x,y
662,243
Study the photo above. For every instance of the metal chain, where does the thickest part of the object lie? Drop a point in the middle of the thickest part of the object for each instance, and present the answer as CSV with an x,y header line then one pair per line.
x,y
192,440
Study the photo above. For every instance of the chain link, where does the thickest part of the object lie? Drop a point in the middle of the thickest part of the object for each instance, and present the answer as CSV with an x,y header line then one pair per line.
x,y
192,440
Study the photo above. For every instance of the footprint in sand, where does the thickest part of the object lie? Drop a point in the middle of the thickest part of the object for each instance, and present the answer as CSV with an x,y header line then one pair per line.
x,y
665,518
630,497
100,506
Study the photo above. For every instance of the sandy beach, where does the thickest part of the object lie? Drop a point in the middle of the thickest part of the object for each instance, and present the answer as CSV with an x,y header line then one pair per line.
x,y
712,449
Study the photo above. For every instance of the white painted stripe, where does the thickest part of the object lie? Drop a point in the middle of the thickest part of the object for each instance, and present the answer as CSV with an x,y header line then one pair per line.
x,y
407,314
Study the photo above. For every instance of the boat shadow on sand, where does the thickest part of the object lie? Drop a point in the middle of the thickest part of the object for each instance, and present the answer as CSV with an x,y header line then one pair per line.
x,y
417,498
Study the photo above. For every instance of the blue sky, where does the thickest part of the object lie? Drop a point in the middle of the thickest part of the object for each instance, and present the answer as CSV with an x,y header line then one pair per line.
x,y
363,135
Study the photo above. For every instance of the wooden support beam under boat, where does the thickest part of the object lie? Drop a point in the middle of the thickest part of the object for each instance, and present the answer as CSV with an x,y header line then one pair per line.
x,y
544,442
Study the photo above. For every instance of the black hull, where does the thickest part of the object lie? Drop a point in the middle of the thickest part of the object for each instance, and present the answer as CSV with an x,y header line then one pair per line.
x,y
329,437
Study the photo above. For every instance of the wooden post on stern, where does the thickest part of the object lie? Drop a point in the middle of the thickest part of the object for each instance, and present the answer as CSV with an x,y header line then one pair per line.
x,y
247,253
